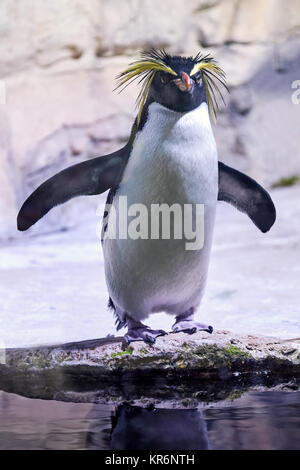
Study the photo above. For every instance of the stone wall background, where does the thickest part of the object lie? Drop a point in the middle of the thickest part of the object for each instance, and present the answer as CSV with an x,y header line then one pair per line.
x,y
58,60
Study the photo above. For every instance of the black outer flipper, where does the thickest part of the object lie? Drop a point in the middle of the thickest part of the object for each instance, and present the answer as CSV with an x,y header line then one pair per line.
x,y
87,178
247,196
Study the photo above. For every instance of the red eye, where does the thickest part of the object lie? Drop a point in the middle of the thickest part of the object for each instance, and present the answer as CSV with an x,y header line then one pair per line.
x,y
163,79
199,80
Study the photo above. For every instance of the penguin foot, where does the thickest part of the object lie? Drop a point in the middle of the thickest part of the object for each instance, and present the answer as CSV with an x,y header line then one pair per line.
x,y
143,333
185,322
190,327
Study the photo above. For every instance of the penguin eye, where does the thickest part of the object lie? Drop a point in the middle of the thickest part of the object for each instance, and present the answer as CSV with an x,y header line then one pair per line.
x,y
163,79
199,80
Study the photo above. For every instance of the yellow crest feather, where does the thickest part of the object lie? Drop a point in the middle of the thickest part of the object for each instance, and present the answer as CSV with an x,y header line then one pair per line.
x,y
213,76
145,69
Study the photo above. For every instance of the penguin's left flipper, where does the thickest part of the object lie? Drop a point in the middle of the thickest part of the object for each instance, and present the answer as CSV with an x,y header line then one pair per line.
x,y
87,178
247,196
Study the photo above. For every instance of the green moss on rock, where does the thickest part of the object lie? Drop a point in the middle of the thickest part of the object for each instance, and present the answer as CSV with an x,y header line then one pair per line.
x,y
285,182
122,353
235,352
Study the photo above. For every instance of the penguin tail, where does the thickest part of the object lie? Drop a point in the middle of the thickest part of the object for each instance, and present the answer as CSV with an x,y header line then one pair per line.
x,y
118,322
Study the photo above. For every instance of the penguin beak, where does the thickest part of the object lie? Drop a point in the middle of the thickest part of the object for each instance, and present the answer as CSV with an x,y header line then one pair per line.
x,y
184,83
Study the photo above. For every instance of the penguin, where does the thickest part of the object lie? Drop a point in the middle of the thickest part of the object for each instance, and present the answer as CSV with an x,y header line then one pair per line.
x,y
138,428
169,160
134,427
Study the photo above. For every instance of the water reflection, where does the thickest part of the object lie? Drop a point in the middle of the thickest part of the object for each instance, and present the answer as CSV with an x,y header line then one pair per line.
x,y
257,420
139,428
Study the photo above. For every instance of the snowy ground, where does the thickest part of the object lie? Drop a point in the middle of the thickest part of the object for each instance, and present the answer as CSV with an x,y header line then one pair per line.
x,y
53,290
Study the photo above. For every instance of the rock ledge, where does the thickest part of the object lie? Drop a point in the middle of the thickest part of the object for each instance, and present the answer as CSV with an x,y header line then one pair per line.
x,y
202,366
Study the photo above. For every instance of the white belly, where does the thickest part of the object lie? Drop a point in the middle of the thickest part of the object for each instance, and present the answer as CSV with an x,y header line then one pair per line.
x,y
174,160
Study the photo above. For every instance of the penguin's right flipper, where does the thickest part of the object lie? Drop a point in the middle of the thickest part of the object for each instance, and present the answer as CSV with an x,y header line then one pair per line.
x,y
247,196
87,178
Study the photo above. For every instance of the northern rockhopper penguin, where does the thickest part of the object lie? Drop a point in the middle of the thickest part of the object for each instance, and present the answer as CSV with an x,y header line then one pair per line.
x,y
170,161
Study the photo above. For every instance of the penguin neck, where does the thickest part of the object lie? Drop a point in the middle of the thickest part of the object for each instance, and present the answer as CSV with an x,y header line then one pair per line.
x,y
153,108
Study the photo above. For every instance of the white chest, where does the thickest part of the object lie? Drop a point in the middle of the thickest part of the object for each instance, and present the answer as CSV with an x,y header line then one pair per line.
x,y
174,159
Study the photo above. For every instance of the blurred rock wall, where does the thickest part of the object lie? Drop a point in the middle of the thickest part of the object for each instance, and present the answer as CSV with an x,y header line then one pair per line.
x,y
58,60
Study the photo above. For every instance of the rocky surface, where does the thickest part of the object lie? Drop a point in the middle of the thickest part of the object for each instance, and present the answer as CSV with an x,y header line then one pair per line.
x,y
178,367
58,64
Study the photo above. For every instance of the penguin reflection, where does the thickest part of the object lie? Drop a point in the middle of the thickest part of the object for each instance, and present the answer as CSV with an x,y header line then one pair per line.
x,y
137,428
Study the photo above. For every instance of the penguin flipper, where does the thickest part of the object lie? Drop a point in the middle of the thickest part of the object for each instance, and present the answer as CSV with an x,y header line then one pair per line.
x,y
247,196
87,178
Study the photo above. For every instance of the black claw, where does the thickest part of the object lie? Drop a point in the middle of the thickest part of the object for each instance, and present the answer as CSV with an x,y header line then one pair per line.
x,y
191,331
126,342
149,339
162,333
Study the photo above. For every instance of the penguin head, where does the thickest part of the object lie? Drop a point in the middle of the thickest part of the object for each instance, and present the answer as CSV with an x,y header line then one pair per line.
x,y
177,83
182,92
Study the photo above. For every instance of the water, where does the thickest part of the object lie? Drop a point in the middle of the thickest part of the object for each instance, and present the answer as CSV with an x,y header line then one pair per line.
x,y
257,420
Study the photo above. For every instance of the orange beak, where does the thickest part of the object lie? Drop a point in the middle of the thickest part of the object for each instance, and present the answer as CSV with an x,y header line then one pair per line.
x,y
186,80
184,83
